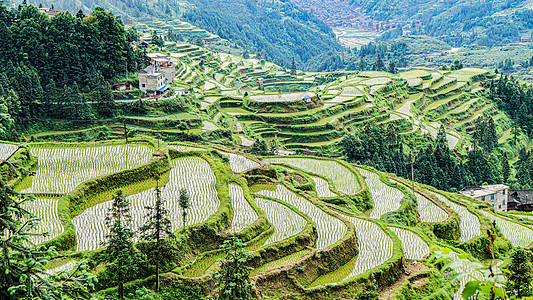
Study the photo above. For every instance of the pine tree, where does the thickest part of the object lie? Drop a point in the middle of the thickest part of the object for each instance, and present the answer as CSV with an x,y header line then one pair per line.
x,y
378,65
184,203
521,277
233,280
506,169
23,275
121,254
293,67
158,232
392,68
362,64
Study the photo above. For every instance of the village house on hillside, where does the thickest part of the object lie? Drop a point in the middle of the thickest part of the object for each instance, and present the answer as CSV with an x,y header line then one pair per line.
x,y
501,197
521,200
497,195
157,77
49,12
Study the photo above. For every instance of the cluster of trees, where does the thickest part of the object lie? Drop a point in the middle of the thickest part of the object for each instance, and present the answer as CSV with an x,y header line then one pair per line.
x,y
433,162
367,57
123,258
58,67
515,99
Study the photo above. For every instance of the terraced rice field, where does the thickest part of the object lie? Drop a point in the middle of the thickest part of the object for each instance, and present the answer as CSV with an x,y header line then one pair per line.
x,y
375,248
344,180
62,168
245,141
50,222
336,100
239,163
208,126
286,222
385,198
413,246
329,228
70,265
465,267
192,173
429,212
282,262
281,97
322,188
185,148
6,150
375,81
468,222
518,235
243,213
351,91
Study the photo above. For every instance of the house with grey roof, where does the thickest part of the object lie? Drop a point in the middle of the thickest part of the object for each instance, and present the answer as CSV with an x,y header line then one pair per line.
x,y
158,76
497,195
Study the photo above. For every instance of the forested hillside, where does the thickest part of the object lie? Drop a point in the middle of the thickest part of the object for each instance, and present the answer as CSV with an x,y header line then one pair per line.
x,y
279,30
52,68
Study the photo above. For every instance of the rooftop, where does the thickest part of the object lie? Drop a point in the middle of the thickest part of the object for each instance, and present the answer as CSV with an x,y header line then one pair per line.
x,y
484,190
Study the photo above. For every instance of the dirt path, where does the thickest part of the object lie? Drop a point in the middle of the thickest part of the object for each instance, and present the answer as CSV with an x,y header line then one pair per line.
x,y
411,268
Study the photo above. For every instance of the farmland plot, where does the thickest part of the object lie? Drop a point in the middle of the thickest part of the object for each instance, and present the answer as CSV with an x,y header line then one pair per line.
x,y
243,213
375,248
376,81
185,148
282,97
208,126
429,212
385,198
351,91
413,246
329,228
468,222
285,221
245,141
68,266
322,188
46,210
6,150
62,168
337,100
344,180
518,235
239,163
192,173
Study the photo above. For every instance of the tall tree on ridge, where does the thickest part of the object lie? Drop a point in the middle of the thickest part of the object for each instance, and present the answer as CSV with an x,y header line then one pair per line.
x,y
157,231
121,254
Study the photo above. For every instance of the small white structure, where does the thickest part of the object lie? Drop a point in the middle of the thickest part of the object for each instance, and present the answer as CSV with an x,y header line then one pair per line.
x,y
496,194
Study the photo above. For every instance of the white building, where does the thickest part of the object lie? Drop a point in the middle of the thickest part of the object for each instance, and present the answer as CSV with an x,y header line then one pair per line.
x,y
158,76
497,195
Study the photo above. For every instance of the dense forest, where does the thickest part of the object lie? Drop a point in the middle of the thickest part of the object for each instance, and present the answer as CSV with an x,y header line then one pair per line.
x,y
57,68
279,30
